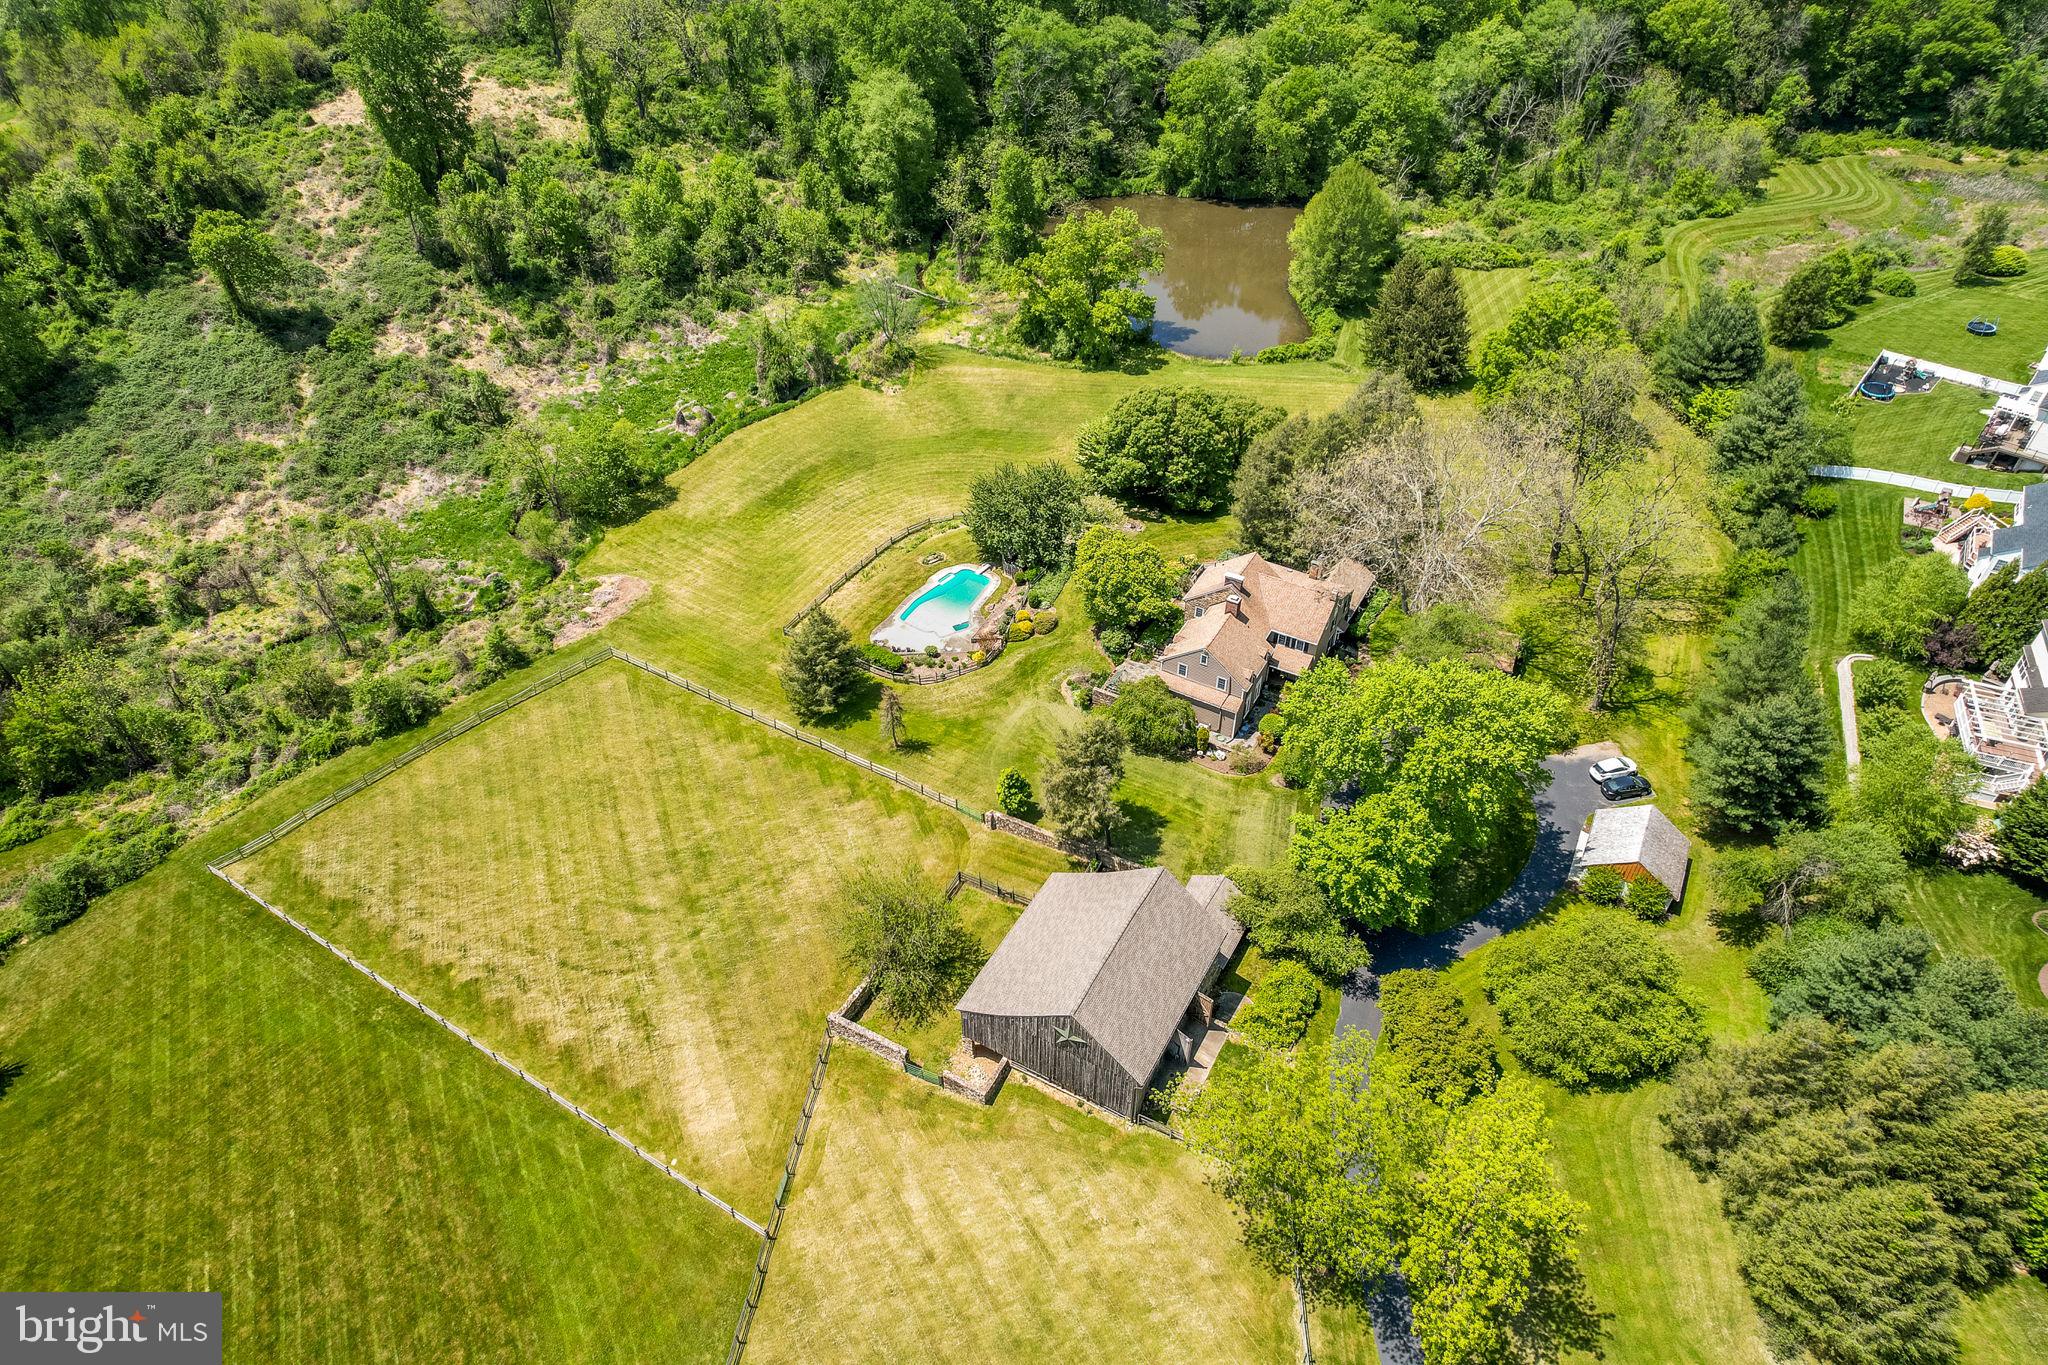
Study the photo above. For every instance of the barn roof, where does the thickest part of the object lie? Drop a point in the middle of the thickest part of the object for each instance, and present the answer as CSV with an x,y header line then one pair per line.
x,y
1121,953
1638,834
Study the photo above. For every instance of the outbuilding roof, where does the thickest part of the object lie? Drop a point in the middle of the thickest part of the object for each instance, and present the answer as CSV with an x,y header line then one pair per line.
x,y
1638,834
1121,953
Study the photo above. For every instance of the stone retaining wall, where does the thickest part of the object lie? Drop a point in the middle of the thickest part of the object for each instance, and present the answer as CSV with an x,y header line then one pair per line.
x,y
1024,829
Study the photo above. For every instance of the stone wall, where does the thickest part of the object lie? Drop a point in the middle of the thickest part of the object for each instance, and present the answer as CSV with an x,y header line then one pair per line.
x,y
840,1025
1024,829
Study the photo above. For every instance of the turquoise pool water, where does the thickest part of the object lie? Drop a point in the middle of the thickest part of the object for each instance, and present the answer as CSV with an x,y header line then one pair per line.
x,y
947,605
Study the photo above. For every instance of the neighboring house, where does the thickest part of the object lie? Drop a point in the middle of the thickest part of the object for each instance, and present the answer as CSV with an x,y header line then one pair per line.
x,y
1246,620
2005,725
2024,543
1637,842
1105,976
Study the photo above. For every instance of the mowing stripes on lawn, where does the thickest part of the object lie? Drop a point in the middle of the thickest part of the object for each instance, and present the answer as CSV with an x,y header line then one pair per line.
x,y
445,1022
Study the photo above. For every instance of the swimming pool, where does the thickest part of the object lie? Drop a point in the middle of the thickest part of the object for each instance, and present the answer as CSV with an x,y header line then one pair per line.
x,y
941,612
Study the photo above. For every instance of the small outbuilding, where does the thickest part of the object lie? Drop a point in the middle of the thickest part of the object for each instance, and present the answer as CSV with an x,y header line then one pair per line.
x,y
1104,977
1637,842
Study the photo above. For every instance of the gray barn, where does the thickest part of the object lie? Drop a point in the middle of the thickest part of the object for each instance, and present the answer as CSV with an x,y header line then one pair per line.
x,y
1101,977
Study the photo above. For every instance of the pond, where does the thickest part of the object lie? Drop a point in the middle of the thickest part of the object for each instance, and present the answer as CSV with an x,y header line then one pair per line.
x,y
1222,286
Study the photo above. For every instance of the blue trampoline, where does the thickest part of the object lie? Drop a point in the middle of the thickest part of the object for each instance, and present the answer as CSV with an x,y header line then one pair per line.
x,y
1978,327
1883,390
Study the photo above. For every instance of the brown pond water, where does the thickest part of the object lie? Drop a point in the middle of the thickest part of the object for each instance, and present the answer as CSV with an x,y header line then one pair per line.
x,y
1222,285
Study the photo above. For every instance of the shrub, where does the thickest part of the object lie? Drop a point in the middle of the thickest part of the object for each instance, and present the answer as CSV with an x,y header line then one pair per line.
x,y
1592,998
2006,262
1020,630
1272,726
1045,622
23,823
1425,1024
1603,886
391,703
931,651
1281,1007
99,863
1896,282
1155,720
882,657
1013,794
1819,500
1648,898
1886,683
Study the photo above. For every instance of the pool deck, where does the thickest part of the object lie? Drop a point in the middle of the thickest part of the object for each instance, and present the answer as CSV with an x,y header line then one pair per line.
x,y
911,636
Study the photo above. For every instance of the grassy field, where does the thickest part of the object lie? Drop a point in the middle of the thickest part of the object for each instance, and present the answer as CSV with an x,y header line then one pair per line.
x,y
769,516
1797,218
1838,554
925,1228
2008,1326
1491,296
1984,915
1916,434
634,892
205,1100
1929,326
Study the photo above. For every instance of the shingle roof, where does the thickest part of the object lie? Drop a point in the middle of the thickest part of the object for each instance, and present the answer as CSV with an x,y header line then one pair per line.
x,y
1121,953
1273,598
2027,537
1639,834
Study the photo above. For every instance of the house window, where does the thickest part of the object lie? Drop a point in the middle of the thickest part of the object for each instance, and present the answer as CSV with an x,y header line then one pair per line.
x,y
1205,656
1183,670
1223,684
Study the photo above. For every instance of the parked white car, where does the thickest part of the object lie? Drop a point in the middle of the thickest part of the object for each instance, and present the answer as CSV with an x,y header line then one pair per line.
x,y
1611,767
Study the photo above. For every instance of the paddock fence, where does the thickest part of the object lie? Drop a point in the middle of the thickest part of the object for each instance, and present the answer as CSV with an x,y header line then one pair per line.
x,y
744,1328
499,1058
908,783
870,557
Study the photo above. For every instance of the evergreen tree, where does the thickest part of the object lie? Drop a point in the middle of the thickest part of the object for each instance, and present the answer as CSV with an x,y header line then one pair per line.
x,y
820,668
1805,305
1760,732
1419,327
1013,794
1341,243
402,60
1994,226
1016,210
1719,344
1762,455
1080,787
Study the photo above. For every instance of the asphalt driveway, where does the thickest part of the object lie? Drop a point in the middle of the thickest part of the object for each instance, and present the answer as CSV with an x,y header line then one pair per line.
x,y
1561,811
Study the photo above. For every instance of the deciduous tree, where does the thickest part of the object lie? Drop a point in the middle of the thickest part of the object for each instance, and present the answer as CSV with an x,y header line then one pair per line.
x,y
1176,448
1029,516
908,940
402,60
1124,583
1287,916
239,255
1342,243
1078,293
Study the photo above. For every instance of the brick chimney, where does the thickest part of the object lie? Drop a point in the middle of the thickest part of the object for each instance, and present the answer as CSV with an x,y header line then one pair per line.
x,y
1235,605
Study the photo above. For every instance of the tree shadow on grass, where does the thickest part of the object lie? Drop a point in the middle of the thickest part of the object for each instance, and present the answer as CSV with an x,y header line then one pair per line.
x,y
10,1072
1140,836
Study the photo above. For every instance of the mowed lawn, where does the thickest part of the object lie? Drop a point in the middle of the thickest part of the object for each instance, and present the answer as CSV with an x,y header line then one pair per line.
x,y
1839,553
767,518
1801,203
202,1099
634,893
1916,433
1984,915
924,1228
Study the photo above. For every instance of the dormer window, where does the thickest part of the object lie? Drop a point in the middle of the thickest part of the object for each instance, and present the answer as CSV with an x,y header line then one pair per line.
x,y
1205,656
